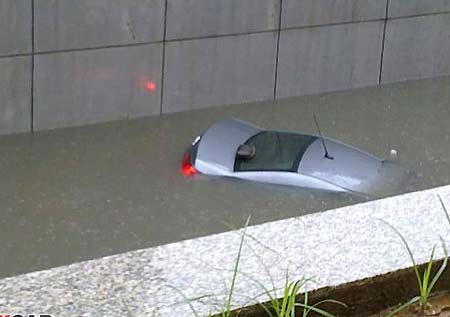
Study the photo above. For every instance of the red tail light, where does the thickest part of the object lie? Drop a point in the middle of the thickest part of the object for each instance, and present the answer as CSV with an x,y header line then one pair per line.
x,y
186,167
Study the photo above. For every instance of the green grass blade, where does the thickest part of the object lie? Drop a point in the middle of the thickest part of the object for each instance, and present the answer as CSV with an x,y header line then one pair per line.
x,y
288,310
236,267
411,256
194,299
285,298
284,301
305,303
267,310
284,305
294,291
185,299
273,301
266,291
426,278
199,298
306,311
314,309
331,301
441,269
261,261
412,301
444,208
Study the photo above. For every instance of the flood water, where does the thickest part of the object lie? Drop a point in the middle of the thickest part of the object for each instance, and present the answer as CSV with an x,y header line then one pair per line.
x,y
80,193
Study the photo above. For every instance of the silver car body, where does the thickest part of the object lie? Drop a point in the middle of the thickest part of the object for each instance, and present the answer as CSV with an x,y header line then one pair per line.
x,y
350,170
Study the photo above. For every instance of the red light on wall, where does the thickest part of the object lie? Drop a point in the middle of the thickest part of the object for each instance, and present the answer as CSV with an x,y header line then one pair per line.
x,y
151,86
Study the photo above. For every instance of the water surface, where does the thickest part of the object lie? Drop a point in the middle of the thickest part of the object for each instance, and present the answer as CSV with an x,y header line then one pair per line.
x,y
81,193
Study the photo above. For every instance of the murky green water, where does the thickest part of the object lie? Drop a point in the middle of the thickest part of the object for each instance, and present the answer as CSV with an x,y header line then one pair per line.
x,y
81,193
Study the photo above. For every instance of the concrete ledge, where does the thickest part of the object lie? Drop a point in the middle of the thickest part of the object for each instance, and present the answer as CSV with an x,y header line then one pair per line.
x,y
334,247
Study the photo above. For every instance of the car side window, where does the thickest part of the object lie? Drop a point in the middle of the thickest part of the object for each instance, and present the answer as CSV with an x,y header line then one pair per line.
x,y
274,151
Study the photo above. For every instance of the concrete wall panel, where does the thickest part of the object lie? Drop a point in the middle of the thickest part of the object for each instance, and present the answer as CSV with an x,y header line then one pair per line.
x,y
300,13
197,18
82,87
401,8
218,52
69,24
15,94
15,27
217,71
329,58
417,48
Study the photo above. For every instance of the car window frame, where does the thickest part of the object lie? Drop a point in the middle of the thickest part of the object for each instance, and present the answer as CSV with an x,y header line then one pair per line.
x,y
296,162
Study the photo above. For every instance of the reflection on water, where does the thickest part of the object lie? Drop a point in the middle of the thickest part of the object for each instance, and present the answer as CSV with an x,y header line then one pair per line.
x,y
80,193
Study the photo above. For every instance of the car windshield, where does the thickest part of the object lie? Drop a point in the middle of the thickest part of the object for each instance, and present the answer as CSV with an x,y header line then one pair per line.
x,y
274,151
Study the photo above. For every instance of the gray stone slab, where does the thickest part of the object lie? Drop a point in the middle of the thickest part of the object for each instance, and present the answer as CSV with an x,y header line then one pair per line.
x,y
300,13
217,71
322,246
197,18
401,8
15,27
15,94
83,87
68,24
417,48
329,58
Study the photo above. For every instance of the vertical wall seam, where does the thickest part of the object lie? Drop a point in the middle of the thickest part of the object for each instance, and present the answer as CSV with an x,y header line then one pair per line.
x,y
383,43
163,61
275,83
32,70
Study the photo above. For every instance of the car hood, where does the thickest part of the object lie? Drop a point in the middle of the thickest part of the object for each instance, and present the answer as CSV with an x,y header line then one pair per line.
x,y
351,169
216,152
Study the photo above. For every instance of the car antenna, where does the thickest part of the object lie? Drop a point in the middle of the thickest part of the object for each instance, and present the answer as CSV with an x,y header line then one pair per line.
x,y
322,139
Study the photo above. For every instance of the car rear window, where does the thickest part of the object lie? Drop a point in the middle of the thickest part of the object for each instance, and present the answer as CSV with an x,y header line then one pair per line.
x,y
275,151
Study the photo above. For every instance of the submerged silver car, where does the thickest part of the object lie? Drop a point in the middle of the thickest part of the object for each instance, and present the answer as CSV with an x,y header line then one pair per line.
x,y
238,149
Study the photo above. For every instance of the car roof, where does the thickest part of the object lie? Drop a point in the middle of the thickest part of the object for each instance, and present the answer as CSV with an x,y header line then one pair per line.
x,y
218,145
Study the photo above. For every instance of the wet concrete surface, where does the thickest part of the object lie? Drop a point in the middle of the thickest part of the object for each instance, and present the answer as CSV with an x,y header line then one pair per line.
x,y
81,193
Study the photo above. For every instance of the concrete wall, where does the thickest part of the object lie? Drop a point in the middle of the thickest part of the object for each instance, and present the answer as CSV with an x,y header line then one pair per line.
x,y
66,63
